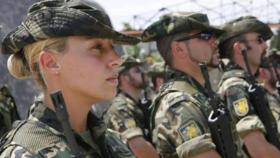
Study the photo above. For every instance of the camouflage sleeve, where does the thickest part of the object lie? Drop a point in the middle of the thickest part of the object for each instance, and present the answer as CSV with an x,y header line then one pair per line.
x,y
115,146
180,128
58,150
121,118
242,110
17,152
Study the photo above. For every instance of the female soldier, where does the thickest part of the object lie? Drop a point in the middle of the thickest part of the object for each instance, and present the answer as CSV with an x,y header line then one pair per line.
x,y
67,46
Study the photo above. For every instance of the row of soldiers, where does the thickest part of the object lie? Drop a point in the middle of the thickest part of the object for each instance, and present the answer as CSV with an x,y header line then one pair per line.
x,y
179,119
67,46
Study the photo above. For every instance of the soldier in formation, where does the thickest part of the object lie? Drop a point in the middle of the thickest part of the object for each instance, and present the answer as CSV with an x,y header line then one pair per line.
x,y
180,111
268,77
65,46
127,115
244,44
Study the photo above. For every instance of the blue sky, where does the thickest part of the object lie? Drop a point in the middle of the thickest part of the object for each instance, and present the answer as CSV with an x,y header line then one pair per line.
x,y
140,13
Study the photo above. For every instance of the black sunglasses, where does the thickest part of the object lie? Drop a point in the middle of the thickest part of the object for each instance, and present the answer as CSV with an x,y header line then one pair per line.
x,y
201,35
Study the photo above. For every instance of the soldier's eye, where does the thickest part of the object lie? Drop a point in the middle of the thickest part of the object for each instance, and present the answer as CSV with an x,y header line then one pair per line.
x,y
97,46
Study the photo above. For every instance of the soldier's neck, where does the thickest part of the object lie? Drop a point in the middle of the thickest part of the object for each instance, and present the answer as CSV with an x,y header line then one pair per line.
x,y
195,73
77,111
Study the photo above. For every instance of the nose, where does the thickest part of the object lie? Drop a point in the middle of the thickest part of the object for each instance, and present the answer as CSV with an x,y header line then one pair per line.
x,y
115,59
265,45
213,41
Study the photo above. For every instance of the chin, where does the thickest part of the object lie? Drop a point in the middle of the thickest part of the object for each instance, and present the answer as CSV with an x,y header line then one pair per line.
x,y
110,95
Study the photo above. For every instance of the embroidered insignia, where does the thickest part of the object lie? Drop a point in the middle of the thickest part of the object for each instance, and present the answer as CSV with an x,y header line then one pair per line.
x,y
189,130
130,123
241,107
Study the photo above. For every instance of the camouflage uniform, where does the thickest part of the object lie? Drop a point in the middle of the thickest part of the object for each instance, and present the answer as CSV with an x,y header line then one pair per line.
x,y
8,110
180,122
126,115
41,134
233,88
271,63
234,84
180,110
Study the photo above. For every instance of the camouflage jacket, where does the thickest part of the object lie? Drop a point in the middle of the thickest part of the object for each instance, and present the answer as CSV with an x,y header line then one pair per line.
x,y
41,136
126,117
179,119
8,110
233,89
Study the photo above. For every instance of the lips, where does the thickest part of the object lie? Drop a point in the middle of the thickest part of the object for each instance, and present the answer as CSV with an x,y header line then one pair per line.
x,y
113,79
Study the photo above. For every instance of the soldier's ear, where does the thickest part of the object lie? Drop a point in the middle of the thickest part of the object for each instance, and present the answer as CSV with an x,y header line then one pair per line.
x,y
238,47
177,50
48,62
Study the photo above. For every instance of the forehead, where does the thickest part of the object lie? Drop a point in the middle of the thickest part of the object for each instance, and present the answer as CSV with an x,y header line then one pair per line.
x,y
252,34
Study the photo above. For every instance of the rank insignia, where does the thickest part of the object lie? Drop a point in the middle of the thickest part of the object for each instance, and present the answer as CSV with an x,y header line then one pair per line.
x,y
189,130
241,107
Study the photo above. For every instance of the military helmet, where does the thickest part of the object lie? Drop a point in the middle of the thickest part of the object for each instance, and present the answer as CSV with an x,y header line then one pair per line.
x,y
178,22
129,62
243,25
156,69
57,18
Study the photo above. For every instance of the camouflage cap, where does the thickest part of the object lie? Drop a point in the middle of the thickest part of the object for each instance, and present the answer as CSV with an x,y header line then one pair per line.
x,y
243,25
57,18
176,23
129,62
156,69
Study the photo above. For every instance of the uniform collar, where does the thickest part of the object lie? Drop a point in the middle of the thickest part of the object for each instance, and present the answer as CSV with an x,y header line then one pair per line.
x,y
177,75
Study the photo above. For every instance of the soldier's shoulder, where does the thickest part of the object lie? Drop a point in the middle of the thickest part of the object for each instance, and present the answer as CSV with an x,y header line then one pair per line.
x,y
16,151
237,79
121,103
35,137
173,100
58,150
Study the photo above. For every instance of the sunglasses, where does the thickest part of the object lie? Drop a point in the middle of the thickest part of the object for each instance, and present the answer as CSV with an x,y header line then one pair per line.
x,y
201,35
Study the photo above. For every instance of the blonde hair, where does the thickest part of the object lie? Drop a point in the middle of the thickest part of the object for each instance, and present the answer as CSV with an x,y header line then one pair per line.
x,y
26,63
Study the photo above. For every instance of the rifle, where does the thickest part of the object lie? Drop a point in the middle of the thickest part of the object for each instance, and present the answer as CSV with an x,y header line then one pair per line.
x,y
145,102
62,115
261,106
219,121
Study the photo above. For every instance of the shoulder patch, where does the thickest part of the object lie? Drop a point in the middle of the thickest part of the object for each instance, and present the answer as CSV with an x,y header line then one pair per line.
x,y
130,123
241,107
189,130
